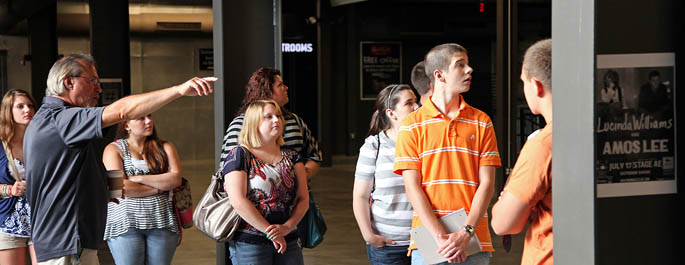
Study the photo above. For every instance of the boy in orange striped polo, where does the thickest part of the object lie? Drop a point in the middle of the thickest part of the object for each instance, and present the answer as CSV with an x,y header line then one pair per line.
x,y
527,196
447,154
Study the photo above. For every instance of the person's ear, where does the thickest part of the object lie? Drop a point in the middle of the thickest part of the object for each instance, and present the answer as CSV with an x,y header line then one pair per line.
x,y
540,89
69,82
437,74
390,114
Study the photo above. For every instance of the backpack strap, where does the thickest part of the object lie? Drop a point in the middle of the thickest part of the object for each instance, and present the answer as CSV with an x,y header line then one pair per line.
x,y
378,150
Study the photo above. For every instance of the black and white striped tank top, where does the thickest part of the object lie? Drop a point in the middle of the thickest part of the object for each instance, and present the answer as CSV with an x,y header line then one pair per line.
x,y
155,211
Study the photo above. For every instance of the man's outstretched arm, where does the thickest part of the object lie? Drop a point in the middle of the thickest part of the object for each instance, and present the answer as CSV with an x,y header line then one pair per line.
x,y
135,106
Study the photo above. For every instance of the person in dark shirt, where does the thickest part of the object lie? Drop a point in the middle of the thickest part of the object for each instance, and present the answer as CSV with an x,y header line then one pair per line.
x,y
655,97
66,183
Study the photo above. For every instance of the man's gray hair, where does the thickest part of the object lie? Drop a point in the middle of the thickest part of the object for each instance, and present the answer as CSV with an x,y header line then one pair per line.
x,y
440,57
65,67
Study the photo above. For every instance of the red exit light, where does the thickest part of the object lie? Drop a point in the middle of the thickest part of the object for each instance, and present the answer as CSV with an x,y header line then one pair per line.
x,y
482,7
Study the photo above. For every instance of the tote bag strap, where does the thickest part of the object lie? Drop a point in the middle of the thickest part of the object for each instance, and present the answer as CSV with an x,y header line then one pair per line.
x,y
10,161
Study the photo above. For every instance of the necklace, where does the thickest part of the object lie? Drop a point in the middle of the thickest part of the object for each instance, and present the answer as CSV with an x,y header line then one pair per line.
x,y
130,148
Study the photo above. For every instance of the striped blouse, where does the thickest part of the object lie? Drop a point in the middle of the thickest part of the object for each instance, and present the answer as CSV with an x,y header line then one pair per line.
x,y
154,211
296,135
391,211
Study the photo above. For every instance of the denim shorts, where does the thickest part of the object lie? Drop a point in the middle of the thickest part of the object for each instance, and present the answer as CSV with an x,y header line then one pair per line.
x,y
388,255
254,254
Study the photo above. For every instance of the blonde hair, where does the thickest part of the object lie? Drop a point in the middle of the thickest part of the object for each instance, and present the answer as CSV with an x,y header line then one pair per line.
x,y
249,134
6,117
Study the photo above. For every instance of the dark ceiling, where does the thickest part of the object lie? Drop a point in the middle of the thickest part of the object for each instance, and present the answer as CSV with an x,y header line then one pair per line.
x,y
159,2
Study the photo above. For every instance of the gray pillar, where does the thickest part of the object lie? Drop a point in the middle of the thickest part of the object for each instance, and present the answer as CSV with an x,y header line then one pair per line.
x,y
573,65
42,47
245,38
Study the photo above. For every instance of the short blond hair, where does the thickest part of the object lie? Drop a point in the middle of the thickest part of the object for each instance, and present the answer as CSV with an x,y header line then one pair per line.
x,y
249,134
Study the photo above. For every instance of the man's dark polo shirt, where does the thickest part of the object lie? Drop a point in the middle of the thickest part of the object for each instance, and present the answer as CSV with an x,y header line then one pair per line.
x,y
66,182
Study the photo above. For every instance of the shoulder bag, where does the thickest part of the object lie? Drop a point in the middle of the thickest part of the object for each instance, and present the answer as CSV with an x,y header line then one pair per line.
x,y
214,215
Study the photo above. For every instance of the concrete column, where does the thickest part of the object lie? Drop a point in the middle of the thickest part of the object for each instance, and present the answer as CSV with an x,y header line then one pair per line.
x,y
42,47
110,46
573,185
109,40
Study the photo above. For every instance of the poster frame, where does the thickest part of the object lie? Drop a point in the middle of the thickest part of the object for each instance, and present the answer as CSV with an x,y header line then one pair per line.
x,y
362,95
649,187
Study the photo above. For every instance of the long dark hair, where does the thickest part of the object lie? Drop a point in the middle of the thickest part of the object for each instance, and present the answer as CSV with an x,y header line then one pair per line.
x,y
260,86
386,99
153,150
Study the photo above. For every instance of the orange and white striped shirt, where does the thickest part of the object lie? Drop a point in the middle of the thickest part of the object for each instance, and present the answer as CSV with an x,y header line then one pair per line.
x,y
448,154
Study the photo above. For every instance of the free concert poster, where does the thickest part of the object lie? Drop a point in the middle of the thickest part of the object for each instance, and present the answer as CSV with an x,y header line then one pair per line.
x,y
380,66
635,124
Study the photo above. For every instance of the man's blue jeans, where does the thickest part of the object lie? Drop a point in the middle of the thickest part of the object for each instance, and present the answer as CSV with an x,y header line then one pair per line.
x,y
143,246
481,258
242,253
388,255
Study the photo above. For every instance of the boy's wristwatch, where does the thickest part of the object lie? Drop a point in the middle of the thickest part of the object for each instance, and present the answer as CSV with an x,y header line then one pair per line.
x,y
469,229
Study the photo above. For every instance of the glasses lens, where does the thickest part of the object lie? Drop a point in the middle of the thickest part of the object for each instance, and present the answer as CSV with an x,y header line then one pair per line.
x,y
92,80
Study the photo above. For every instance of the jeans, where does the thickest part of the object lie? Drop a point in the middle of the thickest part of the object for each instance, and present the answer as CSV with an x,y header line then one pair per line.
x,y
143,246
388,255
480,258
242,253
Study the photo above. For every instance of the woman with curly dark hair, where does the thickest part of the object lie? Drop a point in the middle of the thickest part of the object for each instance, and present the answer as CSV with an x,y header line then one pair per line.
x,y
266,83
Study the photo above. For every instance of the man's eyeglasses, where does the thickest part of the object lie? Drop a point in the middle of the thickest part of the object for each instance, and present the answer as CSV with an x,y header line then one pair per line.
x,y
92,80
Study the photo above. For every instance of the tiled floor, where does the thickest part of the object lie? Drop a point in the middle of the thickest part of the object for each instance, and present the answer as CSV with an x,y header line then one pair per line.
x,y
332,189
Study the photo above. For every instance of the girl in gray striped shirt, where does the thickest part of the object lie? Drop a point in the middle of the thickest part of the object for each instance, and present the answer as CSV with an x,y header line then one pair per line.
x,y
380,203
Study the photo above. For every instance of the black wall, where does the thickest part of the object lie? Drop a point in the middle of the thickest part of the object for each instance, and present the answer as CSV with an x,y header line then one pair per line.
x,y
419,26
640,229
